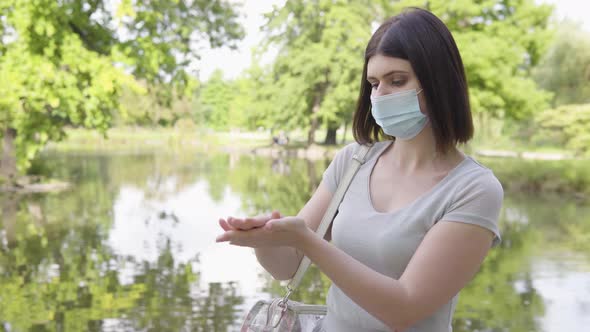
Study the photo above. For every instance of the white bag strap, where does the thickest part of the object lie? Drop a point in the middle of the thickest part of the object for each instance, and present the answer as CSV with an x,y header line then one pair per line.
x,y
357,160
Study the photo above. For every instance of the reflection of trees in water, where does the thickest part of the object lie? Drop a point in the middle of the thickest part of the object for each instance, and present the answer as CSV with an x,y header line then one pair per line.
x,y
502,294
265,184
218,310
57,274
9,208
73,283
172,302
280,166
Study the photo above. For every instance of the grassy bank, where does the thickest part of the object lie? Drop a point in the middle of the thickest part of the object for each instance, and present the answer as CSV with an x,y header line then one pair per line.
x,y
570,177
516,174
136,138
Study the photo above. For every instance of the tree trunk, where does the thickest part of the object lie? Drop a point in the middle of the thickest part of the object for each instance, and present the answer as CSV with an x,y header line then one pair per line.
x,y
344,133
314,120
8,162
482,126
330,136
312,175
9,210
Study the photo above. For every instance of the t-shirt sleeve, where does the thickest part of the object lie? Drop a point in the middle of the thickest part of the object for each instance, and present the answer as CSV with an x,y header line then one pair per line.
x,y
337,167
478,203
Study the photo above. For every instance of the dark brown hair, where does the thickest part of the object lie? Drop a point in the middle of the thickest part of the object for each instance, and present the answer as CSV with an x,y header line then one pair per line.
x,y
421,38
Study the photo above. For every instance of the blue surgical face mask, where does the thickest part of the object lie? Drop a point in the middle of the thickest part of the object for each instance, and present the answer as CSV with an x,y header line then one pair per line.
x,y
399,114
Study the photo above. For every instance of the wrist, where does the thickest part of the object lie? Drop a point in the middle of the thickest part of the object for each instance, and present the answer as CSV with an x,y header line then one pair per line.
x,y
308,240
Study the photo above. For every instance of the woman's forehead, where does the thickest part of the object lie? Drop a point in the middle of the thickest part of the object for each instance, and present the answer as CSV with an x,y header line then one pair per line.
x,y
380,65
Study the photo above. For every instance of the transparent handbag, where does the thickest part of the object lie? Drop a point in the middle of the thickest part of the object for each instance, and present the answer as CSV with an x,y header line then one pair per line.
x,y
282,314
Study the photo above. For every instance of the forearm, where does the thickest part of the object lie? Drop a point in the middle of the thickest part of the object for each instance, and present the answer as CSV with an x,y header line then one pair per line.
x,y
382,296
280,262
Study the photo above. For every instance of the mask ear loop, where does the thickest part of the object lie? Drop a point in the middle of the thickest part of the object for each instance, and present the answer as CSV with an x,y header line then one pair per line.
x,y
417,93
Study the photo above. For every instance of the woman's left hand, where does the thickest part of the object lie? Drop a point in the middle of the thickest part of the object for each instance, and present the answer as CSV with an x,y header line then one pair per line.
x,y
286,231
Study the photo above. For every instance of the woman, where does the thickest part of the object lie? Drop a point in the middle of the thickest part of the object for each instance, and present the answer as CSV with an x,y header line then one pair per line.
x,y
419,217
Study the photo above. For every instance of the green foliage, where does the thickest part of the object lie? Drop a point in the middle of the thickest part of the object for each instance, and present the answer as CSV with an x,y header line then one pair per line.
x,y
568,125
252,103
570,177
315,77
500,41
316,74
67,63
143,108
47,87
215,98
225,104
160,38
565,68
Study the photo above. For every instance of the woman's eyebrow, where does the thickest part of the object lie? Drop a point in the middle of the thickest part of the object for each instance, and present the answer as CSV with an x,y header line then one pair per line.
x,y
390,73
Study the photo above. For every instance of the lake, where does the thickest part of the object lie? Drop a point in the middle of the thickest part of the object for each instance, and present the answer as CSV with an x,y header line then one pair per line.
x,y
131,247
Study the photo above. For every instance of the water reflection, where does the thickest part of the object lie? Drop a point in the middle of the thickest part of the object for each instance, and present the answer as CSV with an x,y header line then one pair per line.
x,y
131,247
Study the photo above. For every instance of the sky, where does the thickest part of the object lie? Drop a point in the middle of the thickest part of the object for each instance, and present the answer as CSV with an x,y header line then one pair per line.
x,y
233,62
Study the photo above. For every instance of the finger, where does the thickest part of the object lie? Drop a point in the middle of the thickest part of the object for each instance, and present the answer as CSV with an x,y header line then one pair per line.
x,y
224,237
226,227
254,238
255,222
241,224
236,223
275,215
273,225
237,238
280,224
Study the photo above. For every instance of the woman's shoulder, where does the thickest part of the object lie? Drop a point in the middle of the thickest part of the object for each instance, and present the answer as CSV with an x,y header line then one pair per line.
x,y
347,151
350,149
478,175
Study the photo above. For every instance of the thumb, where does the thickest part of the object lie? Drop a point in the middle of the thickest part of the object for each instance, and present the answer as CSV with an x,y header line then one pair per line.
x,y
275,215
273,225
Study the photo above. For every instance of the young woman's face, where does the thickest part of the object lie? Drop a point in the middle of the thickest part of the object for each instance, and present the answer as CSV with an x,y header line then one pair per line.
x,y
388,75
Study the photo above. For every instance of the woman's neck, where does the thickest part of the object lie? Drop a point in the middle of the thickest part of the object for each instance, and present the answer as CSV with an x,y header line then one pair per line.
x,y
420,153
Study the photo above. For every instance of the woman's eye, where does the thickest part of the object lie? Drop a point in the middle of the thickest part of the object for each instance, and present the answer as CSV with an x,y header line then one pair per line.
x,y
396,83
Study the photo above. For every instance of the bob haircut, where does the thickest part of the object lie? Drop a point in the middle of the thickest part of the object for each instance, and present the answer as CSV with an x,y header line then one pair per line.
x,y
421,38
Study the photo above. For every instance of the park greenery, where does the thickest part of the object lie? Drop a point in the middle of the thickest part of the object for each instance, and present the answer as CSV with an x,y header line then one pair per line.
x,y
121,74
96,65
73,63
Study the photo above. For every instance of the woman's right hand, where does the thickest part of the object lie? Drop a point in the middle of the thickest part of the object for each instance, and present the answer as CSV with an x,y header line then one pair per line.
x,y
244,224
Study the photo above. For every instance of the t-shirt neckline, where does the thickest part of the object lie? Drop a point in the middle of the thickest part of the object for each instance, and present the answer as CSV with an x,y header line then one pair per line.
x,y
417,199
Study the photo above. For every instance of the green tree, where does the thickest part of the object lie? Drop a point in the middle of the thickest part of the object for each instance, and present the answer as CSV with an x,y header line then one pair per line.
x,y
144,108
565,68
216,97
66,62
316,75
250,106
500,41
566,125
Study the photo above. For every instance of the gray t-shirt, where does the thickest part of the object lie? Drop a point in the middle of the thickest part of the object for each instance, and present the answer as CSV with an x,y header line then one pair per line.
x,y
470,193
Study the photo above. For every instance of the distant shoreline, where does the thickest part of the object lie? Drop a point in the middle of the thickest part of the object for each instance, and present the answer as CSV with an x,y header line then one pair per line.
x,y
258,143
